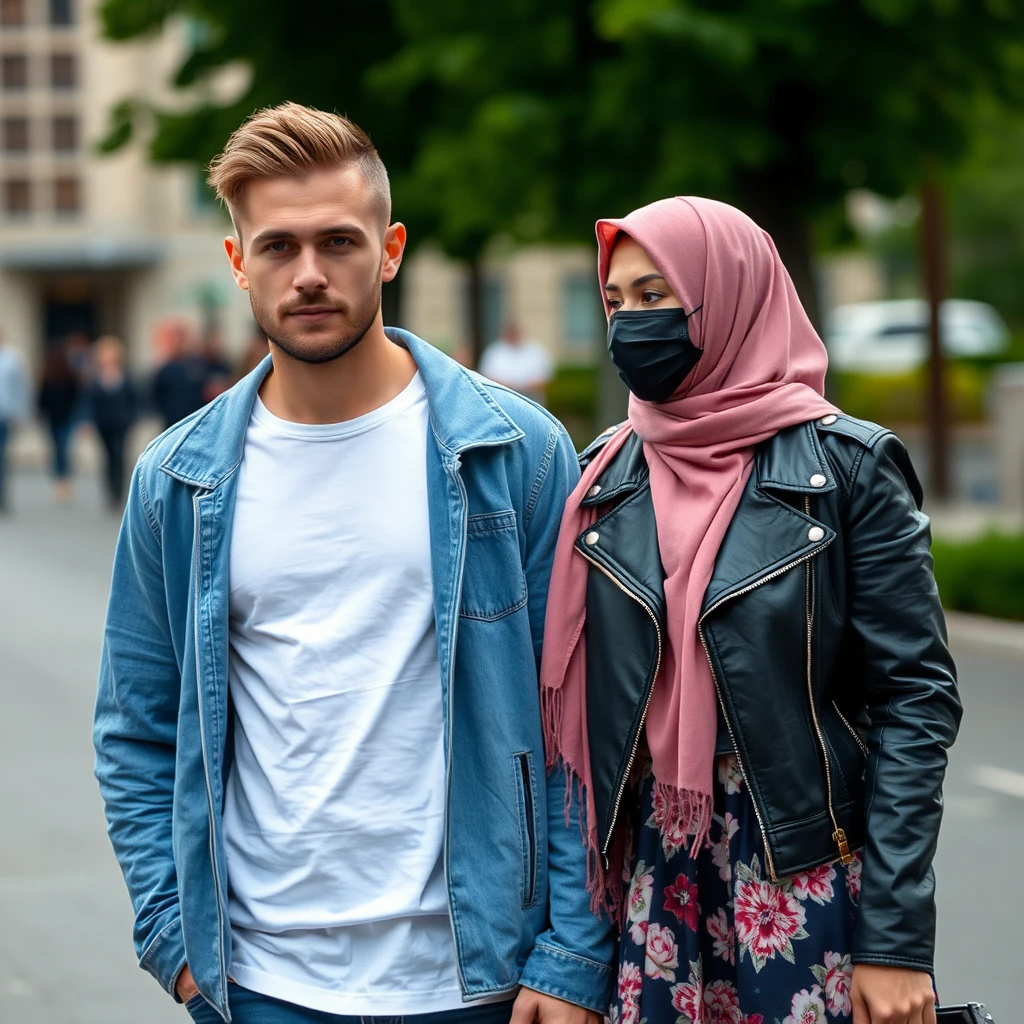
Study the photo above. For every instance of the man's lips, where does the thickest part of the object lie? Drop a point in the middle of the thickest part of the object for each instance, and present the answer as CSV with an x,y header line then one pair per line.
x,y
312,314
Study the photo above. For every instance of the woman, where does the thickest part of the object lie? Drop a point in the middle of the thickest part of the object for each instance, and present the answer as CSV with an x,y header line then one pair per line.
x,y
59,392
114,409
745,661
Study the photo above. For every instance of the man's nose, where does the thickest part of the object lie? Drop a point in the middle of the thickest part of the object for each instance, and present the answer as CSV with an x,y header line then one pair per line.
x,y
309,275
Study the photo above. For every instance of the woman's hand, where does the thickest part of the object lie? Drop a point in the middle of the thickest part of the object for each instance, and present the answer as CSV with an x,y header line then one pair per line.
x,y
891,995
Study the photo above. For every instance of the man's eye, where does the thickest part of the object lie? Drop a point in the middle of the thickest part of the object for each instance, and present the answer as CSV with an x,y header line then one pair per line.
x,y
341,240
277,246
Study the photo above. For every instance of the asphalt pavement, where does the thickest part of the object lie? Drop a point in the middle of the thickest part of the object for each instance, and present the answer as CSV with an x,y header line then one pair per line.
x,y
65,919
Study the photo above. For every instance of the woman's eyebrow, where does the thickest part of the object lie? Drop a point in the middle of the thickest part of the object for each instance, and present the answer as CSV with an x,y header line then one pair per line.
x,y
646,279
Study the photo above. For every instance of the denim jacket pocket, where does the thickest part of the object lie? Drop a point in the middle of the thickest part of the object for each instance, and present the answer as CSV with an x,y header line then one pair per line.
x,y
493,582
522,771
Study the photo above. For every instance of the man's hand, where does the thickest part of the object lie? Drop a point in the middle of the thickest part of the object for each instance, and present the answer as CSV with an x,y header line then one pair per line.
x,y
185,987
536,1008
891,995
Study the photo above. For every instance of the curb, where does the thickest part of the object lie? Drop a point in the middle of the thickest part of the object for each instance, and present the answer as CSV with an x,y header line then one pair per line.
x,y
1000,634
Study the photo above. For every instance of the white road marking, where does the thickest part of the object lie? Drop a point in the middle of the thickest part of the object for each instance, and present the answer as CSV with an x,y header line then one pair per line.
x,y
999,780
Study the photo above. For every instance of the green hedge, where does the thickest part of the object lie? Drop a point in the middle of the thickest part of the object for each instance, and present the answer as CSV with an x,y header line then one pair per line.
x,y
985,575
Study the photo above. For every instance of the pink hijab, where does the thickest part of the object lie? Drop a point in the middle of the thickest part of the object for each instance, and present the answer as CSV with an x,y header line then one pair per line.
x,y
762,369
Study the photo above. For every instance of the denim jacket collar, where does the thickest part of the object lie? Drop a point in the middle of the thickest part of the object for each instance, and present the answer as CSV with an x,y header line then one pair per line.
x,y
462,416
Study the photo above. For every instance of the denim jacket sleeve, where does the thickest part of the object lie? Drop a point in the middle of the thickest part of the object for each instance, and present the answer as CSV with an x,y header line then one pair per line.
x,y
572,958
134,733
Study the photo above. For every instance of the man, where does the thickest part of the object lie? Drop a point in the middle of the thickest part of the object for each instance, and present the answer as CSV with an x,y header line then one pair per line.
x,y
14,403
318,732
178,385
518,363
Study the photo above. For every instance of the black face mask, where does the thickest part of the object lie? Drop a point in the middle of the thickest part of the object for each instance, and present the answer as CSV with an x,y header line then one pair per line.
x,y
652,351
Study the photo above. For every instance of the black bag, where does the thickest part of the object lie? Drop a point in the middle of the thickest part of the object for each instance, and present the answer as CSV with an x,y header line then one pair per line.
x,y
965,1013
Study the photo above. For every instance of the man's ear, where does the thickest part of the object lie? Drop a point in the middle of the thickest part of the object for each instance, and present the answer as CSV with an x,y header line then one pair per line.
x,y
233,247
394,248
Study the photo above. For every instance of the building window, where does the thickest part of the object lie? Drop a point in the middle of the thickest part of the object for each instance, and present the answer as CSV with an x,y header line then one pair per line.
x,y
12,13
67,195
17,197
63,71
62,12
14,71
65,134
15,134
581,316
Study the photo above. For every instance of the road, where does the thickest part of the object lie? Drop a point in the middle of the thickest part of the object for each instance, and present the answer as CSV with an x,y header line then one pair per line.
x,y
65,920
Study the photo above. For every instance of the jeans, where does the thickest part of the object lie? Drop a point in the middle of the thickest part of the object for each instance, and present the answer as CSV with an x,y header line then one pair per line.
x,y
249,1007
61,434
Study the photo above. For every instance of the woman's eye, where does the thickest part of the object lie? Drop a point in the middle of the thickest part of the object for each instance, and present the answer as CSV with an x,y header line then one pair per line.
x,y
614,303
651,296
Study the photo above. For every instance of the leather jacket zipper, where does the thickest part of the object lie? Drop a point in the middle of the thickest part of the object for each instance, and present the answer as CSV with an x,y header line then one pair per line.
x,y
850,729
839,835
707,653
643,717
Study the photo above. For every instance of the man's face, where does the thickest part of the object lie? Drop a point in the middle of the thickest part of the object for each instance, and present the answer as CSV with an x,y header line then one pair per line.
x,y
312,254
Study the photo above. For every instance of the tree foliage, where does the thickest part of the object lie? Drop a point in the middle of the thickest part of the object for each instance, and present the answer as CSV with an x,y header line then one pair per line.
x,y
530,118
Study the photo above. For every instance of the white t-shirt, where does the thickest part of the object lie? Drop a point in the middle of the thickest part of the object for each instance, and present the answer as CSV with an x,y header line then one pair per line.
x,y
524,367
335,807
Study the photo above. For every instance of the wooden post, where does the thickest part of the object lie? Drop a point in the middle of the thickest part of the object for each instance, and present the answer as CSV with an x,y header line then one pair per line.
x,y
933,255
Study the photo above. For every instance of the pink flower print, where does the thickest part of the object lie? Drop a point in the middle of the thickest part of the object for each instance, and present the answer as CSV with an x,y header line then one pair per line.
x,y
681,900
754,1018
688,998
723,937
729,774
720,850
662,953
638,903
807,1008
768,918
815,884
722,1003
838,978
631,982
673,832
853,870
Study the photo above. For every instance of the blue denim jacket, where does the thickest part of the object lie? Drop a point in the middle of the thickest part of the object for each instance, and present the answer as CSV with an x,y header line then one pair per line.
x,y
499,469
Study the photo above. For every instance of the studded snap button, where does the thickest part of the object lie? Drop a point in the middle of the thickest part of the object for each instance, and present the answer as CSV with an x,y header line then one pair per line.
x,y
818,480
594,491
815,533
592,538
827,421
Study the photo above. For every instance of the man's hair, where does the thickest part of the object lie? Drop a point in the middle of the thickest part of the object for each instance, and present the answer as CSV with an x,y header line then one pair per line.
x,y
291,140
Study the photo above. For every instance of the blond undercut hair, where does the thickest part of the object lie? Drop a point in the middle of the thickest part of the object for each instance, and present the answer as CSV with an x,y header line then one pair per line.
x,y
291,140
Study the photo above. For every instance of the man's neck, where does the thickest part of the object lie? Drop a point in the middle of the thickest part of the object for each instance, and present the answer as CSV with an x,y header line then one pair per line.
x,y
366,377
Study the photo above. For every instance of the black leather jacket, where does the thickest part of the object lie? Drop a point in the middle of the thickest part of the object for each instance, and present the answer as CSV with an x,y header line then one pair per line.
x,y
826,639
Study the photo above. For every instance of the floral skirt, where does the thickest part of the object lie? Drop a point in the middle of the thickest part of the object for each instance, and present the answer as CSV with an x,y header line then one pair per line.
x,y
711,940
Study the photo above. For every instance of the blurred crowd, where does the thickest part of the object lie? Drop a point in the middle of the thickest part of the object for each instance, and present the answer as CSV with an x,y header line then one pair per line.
x,y
85,384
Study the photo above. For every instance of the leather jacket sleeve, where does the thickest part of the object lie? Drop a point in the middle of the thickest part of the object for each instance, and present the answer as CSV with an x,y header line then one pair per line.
x,y
910,693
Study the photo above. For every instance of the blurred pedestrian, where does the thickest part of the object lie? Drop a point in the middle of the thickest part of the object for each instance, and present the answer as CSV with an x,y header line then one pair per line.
x,y
114,409
326,802
519,363
60,392
218,367
178,385
14,405
256,350
742,609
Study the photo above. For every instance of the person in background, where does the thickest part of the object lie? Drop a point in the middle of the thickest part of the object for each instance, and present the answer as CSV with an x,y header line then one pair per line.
x,y
113,405
218,367
178,385
518,363
255,352
14,402
59,394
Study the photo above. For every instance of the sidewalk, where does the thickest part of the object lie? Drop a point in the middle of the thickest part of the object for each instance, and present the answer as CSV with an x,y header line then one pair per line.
x,y
995,635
